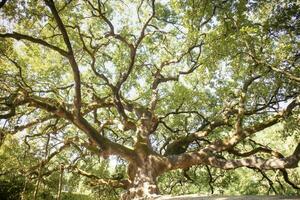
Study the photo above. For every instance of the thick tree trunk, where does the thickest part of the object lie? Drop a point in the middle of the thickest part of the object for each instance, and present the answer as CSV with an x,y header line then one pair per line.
x,y
143,178
143,185
146,167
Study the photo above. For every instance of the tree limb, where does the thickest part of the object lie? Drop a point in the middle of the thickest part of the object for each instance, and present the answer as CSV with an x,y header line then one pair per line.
x,y
70,56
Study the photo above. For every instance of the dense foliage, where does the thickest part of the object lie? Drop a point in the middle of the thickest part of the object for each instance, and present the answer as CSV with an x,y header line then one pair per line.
x,y
103,98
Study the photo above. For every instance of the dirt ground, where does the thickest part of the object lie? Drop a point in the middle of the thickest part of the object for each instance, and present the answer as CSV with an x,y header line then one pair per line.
x,y
250,197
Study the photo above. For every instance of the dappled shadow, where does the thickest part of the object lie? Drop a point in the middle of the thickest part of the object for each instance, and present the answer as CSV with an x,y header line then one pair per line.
x,y
246,197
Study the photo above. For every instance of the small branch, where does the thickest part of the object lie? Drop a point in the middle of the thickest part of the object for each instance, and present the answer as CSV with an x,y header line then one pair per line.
x,y
210,179
142,34
269,181
60,182
287,180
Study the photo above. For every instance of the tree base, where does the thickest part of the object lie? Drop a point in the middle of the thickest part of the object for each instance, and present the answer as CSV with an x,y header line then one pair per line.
x,y
141,193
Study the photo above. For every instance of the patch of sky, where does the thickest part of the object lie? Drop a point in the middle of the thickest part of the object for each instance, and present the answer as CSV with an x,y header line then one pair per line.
x,y
84,68
110,67
155,143
133,92
113,161
129,16
220,77
7,25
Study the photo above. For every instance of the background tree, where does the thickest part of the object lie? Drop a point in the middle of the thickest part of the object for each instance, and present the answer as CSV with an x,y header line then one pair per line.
x,y
169,85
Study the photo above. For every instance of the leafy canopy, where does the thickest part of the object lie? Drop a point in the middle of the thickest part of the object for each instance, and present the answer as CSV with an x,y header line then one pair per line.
x,y
165,80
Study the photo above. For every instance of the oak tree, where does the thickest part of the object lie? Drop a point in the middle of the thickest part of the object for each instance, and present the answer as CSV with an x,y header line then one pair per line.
x,y
163,84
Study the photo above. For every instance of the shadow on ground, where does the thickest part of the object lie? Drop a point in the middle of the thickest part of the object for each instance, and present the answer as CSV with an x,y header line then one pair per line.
x,y
250,197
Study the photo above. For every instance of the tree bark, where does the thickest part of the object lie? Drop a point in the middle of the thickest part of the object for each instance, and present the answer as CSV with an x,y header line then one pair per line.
x,y
143,181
